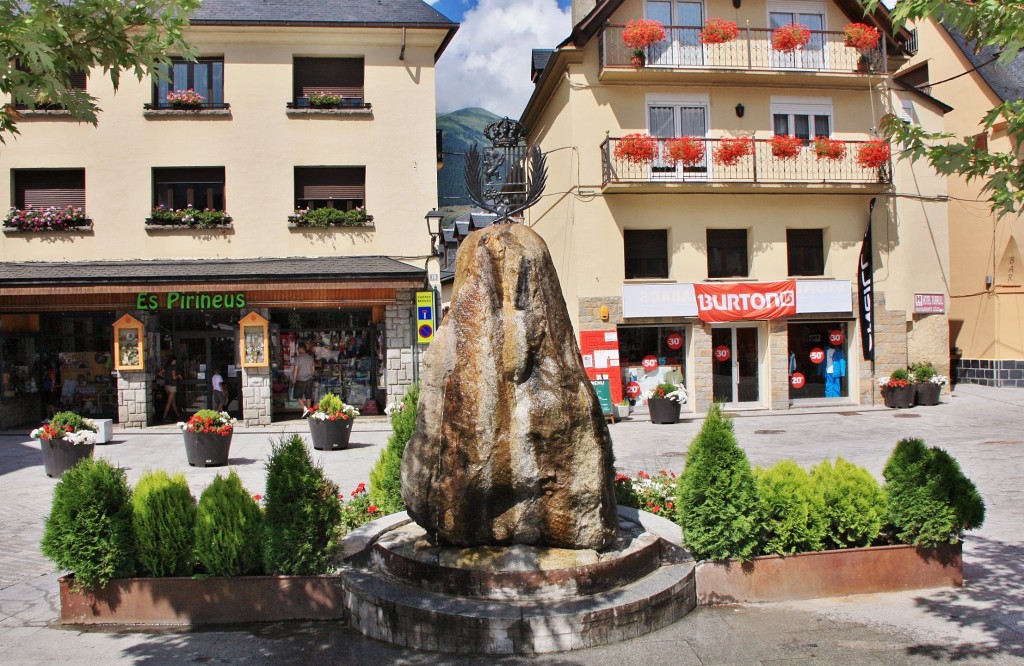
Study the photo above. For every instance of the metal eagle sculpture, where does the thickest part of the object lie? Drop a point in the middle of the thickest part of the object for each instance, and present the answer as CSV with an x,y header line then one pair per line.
x,y
508,177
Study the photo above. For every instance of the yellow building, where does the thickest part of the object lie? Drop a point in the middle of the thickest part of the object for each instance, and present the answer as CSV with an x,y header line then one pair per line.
x,y
986,312
285,173
730,259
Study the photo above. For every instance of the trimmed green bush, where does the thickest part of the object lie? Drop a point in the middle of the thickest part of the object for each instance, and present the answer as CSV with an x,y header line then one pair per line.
x,y
386,474
303,515
164,522
922,372
854,504
930,500
89,529
717,502
791,514
229,529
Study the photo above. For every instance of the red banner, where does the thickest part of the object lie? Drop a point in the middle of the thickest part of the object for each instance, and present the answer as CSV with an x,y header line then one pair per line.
x,y
731,301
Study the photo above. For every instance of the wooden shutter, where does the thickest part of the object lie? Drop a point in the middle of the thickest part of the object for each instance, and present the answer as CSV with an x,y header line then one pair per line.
x,y
330,183
77,80
164,176
39,189
336,76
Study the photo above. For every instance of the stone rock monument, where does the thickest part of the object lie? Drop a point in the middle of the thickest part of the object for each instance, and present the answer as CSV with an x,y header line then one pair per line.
x,y
510,445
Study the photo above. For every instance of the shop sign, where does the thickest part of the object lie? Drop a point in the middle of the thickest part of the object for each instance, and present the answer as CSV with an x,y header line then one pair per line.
x,y
183,300
650,363
929,303
633,390
817,355
680,300
797,380
836,337
722,353
674,341
745,300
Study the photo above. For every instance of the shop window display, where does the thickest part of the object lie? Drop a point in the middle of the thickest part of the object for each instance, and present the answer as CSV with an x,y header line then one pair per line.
x,y
818,360
648,356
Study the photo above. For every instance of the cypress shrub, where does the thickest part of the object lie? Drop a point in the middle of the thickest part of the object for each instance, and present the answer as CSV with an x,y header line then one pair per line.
x,y
89,529
854,504
791,513
303,515
386,474
717,499
229,529
930,501
164,521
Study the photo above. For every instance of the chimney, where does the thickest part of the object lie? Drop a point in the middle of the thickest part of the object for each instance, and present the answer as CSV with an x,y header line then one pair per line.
x,y
581,8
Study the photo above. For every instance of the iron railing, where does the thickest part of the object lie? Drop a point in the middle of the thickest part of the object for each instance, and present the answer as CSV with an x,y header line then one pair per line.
x,y
167,106
761,166
681,49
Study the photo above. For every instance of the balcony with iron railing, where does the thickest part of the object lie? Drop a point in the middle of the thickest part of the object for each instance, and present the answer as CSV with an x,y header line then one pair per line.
x,y
825,53
710,165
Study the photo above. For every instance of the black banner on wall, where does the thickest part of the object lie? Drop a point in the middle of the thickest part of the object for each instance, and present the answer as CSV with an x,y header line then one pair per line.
x,y
866,291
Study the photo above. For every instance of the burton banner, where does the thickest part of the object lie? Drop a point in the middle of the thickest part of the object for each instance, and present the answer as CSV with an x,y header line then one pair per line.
x,y
717,302
866,292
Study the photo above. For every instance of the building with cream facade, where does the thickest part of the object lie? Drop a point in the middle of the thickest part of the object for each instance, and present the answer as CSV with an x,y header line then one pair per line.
x,y
292,188
735,265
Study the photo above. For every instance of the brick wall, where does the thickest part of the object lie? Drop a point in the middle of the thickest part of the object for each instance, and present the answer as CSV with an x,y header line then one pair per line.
x,y
398,319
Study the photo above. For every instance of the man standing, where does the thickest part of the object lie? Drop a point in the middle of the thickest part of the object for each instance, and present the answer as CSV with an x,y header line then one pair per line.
x,y
302,379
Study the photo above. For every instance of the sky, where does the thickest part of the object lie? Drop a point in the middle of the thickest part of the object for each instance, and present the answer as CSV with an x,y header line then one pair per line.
x,y
487,64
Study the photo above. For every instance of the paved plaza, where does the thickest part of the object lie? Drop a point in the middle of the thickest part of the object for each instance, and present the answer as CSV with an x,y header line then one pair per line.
x,y
981,623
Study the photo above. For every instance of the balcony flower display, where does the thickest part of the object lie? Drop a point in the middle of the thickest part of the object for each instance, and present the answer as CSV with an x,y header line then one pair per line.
x,y
826,148
860,36
209,421
322,218
186,99
730,151
874,154
639,34
718,31
54,218
790,37
324,99
785,146
189,217
636,149
687,150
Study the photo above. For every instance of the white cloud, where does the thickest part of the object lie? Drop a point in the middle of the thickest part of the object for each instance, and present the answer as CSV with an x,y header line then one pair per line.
x,y
488,62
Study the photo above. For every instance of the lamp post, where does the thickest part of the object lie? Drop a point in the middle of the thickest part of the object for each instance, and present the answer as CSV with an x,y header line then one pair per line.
x,y
433,219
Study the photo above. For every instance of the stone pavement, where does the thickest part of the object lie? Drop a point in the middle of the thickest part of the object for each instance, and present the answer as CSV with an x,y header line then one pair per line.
x,y
980,623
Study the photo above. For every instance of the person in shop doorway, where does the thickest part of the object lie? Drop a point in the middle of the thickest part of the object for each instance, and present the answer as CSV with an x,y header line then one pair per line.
x,y
302,379
833,369
220,396
50,388
171,378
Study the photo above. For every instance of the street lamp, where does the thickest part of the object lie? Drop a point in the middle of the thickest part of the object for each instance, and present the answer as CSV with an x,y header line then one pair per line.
x,y
433,219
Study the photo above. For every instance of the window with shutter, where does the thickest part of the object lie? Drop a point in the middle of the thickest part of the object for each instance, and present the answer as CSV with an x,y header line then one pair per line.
x,y
39,189
727,253
646,253
330,187
76,81
181,187
340,78
205,76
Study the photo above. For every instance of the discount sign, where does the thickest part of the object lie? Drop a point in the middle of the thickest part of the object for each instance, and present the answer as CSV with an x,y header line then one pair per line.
x,y
633,390
797,380
722,353
650,363
674,341
836,337
817,355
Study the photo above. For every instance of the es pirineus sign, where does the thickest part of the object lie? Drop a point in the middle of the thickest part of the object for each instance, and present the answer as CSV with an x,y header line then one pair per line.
x,y
745,300
184,300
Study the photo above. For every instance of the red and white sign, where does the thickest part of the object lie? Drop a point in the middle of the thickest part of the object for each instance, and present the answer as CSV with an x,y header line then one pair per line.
x,y
817,355
650,363
745,300
674,341
836,337
797,380
722,353
633,390
929,303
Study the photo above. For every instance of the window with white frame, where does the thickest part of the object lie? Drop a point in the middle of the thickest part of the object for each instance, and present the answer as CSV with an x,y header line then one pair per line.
x,y
678,116
812,16
682,20
802,117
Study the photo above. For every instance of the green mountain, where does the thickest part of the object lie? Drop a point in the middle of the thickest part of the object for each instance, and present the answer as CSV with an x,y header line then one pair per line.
x,y
460,130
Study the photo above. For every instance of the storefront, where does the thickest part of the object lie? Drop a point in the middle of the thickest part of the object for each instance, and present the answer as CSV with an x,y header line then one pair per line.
x,y
356,320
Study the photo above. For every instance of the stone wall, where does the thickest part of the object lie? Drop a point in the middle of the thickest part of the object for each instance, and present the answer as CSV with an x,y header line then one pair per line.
x,y
134,398
400,342
703,383
256,396
990,372
778,364
590,312
890,348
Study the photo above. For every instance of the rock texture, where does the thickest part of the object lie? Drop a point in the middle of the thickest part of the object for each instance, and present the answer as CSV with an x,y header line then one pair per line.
x,y
510,444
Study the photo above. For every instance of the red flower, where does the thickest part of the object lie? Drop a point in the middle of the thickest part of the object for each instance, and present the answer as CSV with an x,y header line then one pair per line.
x,y
861,37
832,149
730,151
874,154
785,146
257,497
687,150
636,149
669,505
621,478
372,508
790,37
641,33
718,31
656,508
643,475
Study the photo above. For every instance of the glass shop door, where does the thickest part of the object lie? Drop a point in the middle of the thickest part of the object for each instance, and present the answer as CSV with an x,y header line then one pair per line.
x,y
199,355
735,362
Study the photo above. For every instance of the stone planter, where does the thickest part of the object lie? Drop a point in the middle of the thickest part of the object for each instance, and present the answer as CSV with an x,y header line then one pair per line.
x,y
928,393
621,411
898,397
663,410
206,449
330,435
829,573
60,456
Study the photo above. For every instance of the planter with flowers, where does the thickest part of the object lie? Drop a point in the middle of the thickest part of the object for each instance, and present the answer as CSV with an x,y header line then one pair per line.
x,y
636,149
718,31
785,146
687,150
324,218
790,37
54,218
826,148
897,391
638,35
730,151
927,384
186,99
330,423
860,36
189,217
874,154
65,440
208,438
665,401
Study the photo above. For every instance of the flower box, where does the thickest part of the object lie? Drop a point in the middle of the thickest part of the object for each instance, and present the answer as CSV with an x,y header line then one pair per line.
x,y
898,397
874,154
663,410
207,436
687,150
860,36
186,99
330,435
55,218
730,151
324,218
718,31
927,393
66,440
826,148
786,147
190,218
636,149
59,456
641,33
790,37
